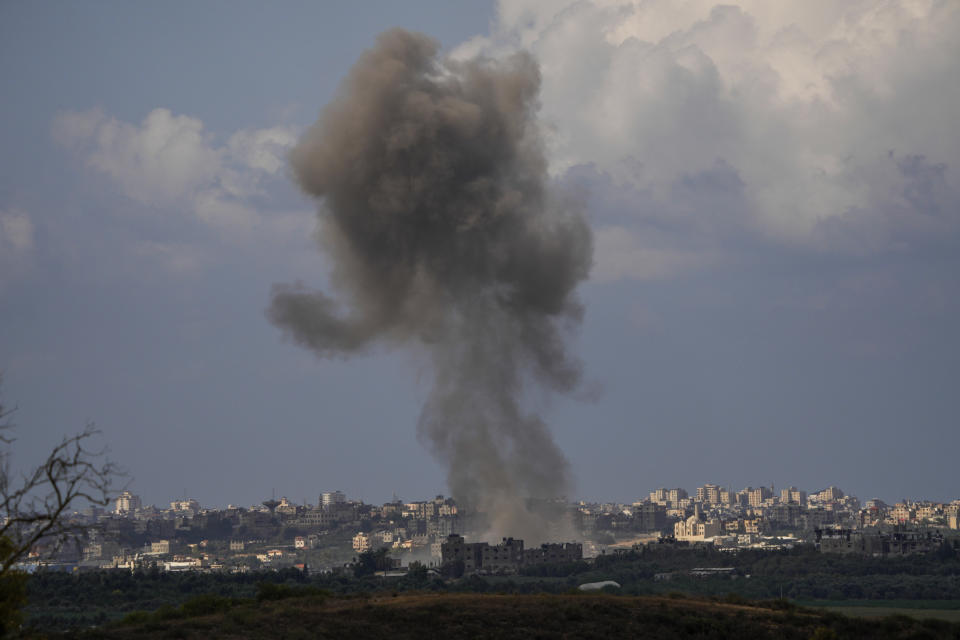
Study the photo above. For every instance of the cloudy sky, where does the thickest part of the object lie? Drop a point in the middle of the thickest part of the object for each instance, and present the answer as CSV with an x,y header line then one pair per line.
x,y
773,190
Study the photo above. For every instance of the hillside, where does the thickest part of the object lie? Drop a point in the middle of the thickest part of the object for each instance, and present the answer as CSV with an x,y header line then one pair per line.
x,y
507,616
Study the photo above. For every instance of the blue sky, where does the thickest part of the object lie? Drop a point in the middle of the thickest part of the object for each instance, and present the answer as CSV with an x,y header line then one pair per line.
x,y
773,193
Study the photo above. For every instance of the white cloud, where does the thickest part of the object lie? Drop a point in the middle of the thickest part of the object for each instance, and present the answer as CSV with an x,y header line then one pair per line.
x,y
803,101
262,149
161,162
170,162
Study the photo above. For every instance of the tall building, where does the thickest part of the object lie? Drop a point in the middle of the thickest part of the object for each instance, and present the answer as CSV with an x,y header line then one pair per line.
x,y
794,495
127,503
759,495
330,498
708,494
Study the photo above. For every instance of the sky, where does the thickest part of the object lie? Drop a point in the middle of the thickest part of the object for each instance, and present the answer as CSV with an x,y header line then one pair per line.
x,y
772,188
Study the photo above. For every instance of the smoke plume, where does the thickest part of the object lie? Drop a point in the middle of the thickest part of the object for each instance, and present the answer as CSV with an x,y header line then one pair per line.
x,y
437,213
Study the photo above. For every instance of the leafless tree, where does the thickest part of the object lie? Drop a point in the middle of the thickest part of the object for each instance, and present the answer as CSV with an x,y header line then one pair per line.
x,y
34,504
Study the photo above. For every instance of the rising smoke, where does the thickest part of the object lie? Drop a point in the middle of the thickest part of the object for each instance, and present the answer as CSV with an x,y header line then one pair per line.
x,y
437,212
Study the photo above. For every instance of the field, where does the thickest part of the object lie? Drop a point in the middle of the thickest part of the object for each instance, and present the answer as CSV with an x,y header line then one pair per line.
x,y
950,615
417,615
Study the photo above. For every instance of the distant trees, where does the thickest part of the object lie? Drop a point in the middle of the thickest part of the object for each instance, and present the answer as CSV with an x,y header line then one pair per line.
x,y
371,561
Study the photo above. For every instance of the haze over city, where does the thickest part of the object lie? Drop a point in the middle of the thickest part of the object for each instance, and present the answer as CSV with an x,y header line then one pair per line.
x,y
770,194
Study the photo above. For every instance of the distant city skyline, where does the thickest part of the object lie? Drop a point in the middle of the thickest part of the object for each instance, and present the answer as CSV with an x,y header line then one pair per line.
x,y
316,498
773,192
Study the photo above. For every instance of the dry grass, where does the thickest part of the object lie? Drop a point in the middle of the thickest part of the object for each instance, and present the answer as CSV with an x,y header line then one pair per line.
x,y
510,616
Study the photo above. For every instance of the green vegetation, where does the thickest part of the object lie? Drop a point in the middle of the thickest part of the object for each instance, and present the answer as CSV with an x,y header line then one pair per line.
x,y
415,615
950,615
62,601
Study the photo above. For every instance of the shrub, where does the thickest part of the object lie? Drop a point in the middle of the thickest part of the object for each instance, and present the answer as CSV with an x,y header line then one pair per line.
x,y
167,612
135,617
206,604
267,591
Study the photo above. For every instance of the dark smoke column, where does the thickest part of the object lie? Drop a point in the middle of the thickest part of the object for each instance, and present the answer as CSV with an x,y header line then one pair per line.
x,y
436,212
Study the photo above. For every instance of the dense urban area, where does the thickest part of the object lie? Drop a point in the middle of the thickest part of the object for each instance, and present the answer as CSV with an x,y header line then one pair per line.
x,y
279,534
136,564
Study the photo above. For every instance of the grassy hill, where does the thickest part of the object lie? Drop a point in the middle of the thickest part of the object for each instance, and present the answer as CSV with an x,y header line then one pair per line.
x,y
426,615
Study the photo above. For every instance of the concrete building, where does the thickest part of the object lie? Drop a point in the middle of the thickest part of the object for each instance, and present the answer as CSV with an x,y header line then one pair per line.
x,y
696,529
785,515
793,495
554,552
708,494
758,496
649,516
660,496
160,547
126,503
361,542
508,556
456,549
330,498
187,505
829,494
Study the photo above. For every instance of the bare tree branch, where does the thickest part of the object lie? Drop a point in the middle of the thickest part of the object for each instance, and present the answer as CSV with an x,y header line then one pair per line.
x,y
34,507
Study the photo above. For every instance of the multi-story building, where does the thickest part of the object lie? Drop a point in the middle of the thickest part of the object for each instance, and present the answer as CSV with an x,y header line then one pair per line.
x,y
752,525
708,494
456,549
187,505
660,496
160,547
330,498
952,513
649,516
695,528
902,512
361,542
758,496
316,518
126,503
785,515
793,495
554,552
829,494
286,507
508,556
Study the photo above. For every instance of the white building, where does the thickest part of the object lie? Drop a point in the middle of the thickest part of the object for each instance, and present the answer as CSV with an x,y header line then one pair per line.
x,y
187,505
694,529
329,498
127,503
